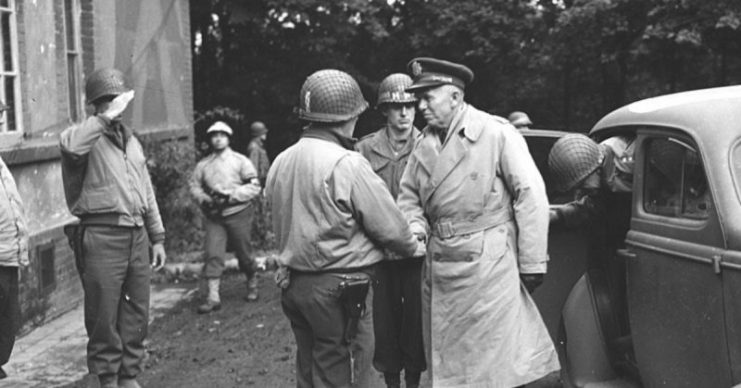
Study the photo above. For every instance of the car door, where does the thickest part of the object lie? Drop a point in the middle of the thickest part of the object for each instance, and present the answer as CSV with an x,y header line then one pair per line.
x,y
567,248
674,289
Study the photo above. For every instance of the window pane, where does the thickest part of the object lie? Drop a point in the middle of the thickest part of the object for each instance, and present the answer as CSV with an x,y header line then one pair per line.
x,y
10,118
72,87
7,54
69,25
696,195
663,177
675,183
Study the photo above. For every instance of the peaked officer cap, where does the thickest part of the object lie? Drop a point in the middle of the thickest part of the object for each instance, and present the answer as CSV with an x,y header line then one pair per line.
x,y
431,72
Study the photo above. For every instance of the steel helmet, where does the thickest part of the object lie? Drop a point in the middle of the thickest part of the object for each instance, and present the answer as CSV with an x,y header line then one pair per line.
x,y
572,158
519,118
219,126
330,96
104,82
392,90
258,129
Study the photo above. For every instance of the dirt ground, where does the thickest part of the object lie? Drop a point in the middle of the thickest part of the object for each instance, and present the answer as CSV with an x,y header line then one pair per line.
x,y
242,345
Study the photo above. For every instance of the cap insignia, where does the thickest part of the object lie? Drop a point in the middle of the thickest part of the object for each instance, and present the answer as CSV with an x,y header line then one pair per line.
x,y
307,101
416,68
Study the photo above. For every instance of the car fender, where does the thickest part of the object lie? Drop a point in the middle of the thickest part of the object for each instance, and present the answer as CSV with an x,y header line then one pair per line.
x,y
584,350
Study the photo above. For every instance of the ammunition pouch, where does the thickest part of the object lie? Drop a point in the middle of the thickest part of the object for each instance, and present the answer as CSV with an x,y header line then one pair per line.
x,y
353,293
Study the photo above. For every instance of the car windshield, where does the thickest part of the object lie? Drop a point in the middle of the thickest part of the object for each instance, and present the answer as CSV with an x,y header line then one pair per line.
x,y
736,167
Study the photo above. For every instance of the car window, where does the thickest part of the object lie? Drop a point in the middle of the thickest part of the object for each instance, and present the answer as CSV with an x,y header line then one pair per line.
x,y
675,183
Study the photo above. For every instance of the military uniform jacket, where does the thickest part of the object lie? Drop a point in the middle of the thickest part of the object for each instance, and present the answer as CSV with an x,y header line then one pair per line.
x,y
385,161
228,172
330,210
484,203
105,176
259,158
13,227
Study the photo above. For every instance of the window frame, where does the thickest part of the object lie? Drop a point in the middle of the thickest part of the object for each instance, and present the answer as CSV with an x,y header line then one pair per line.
x,y
7,137
681,209
75,105
700,231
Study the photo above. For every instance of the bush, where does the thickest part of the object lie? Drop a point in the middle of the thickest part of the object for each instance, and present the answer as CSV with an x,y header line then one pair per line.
x,y
170,164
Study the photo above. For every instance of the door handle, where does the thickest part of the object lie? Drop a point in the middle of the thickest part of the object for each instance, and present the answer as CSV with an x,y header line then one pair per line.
x,y
626,254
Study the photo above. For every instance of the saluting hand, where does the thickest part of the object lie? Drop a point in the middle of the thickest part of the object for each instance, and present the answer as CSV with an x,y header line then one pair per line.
x,y
158,256
118,105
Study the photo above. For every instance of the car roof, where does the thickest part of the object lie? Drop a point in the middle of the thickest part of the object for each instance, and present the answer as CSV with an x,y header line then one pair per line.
x,y
712,117
543,133
708,113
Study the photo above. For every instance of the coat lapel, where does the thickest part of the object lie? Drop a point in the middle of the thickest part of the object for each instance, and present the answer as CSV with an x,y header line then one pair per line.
x,y
466,130
448,158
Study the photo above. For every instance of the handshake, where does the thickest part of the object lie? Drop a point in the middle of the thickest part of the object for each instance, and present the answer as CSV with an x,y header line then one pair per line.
x,y
421,250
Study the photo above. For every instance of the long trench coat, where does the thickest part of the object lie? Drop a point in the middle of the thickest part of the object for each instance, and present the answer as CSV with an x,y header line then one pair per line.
x,y
483,202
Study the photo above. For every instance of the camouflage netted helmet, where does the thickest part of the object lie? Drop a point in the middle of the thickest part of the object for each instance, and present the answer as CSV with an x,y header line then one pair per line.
x,y
104,82
392,90
330,96
572,158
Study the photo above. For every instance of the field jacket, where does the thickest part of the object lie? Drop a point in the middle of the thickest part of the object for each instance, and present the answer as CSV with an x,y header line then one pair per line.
x,y
228,172
13,226
385,161
259,158
330,210
105,175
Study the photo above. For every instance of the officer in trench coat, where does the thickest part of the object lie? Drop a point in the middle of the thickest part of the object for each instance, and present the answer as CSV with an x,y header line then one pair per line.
x,y
472,187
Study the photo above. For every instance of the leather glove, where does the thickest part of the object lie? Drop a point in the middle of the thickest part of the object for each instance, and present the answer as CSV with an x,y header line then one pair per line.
x,y
531,281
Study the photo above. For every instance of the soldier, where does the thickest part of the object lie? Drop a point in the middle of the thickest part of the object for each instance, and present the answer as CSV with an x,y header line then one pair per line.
x,y
224,184
331,216
256,150
13,255
472,183
520,120
107,186
595,171
397,313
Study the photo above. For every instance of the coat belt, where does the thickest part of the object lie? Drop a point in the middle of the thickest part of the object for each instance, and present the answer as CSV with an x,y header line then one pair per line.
x,y
484,221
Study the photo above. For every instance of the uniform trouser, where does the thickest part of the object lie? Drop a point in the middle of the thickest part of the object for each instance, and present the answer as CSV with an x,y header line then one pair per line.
x,y
115,272
9,311
236,229
397,317
311,302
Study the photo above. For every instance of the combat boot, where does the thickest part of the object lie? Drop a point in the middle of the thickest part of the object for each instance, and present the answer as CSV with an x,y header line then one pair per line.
x,y
411,378
128,382
252,285
213,301
108,381
392,380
